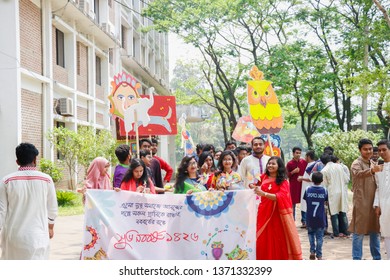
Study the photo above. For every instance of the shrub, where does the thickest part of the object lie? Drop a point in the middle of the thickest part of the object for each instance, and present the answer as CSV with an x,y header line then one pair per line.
x,y
50,168
345,144
66,198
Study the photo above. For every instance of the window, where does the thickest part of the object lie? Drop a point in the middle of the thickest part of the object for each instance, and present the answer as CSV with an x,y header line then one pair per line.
x,y
98,71
123,31
134,46
111,56
60,48
60,124
143,56
96,10
150,61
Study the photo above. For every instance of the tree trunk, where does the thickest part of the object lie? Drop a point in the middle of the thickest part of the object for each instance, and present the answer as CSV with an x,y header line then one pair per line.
x,y
385,120
383,10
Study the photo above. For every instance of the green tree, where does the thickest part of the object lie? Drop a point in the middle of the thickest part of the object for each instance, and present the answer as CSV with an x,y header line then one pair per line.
x,y
367,37
68,143
95,143
229,35
323,20
383,10
355,37
195,83
300,72
79,148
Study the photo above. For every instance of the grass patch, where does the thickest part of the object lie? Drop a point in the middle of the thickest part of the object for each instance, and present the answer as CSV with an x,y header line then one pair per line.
x,y
69,203
70,210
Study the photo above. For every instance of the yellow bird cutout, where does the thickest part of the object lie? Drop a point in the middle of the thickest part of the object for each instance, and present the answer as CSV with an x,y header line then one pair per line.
x,y
264,107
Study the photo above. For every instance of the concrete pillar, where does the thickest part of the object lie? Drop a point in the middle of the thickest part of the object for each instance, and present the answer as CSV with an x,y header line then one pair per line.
x,y
10,81
47,89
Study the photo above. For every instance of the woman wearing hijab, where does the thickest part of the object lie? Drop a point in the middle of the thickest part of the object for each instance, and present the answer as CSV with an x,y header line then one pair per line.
x,y
97,176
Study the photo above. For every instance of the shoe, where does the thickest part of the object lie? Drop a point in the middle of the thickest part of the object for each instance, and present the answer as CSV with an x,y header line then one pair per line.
x,y
303,225
312,256
319,258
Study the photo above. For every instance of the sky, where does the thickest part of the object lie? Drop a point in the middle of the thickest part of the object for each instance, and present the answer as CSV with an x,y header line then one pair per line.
x,y
178,50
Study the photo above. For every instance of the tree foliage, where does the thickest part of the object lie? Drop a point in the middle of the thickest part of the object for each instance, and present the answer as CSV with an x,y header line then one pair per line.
x,y
51,168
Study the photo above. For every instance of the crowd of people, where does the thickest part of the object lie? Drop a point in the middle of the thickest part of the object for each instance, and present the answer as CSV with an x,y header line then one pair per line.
x,y
319,186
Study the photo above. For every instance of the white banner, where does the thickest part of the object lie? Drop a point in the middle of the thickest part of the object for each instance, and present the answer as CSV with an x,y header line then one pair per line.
x,y
205,226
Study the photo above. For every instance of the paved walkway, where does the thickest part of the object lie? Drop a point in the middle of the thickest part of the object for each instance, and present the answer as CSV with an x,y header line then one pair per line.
x,y
67,241
336,248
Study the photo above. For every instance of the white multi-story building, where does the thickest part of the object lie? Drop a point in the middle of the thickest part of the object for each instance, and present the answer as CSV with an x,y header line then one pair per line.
x,y
57,60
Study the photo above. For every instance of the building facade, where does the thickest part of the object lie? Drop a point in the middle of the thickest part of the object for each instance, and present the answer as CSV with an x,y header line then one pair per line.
x,y
57,60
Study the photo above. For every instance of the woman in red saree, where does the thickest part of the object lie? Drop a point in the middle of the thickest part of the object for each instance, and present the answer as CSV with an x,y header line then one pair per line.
x,y
277,236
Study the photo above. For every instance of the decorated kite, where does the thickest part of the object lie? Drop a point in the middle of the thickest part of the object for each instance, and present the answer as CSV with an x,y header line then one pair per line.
x,y
186,140
245,130
264,108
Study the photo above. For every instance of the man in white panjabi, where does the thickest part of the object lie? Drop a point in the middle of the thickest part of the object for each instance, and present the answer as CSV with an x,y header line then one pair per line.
x,y
382,194
336,182
28,208
252,166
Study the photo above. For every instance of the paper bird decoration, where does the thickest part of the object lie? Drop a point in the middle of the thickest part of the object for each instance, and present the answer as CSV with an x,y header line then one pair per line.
x,y
264,107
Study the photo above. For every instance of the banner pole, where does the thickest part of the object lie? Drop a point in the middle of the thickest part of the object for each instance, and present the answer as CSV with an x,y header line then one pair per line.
x,y
136,133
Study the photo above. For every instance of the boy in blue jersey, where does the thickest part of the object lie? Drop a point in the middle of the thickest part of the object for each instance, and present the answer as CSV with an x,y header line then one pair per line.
x,y
316,196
